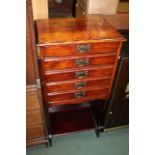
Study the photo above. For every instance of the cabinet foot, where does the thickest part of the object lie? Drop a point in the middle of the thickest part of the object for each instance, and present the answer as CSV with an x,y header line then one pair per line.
x,y
50,140
97,131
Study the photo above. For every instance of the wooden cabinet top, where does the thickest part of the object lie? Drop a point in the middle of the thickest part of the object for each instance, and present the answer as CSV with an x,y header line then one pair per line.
x,y
68,30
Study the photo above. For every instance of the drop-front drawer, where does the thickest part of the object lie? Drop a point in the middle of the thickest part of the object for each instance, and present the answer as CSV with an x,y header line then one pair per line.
x,y
102,72
50,63
79,49
52,97
77,85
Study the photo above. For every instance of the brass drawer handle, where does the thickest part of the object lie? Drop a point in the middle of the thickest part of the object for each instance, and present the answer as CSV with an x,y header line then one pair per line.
x,y
83,48
79,94
81,74
82,62
79,85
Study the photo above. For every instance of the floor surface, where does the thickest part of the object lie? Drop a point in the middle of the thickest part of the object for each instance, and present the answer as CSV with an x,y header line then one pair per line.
x,y
114,142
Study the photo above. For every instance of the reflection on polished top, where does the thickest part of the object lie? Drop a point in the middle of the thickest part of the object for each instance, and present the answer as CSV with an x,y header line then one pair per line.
x,y
67,30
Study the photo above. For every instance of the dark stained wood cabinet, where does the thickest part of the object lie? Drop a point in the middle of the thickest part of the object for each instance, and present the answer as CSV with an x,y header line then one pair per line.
x,y
78,60
118,111
35,123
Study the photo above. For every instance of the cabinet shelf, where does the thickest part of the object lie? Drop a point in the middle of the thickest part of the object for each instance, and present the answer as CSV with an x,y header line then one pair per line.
x,y
72,118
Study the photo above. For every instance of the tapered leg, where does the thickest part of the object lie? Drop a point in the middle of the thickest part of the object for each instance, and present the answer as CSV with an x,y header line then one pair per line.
x,y
97,131
50,140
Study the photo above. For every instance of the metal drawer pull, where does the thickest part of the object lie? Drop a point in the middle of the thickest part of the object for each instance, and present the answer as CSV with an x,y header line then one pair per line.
x,y
83,48
81,74
80,85
79,94
82,62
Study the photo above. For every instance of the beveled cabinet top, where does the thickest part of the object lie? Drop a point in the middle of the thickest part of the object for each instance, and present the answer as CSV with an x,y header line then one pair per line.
x,y
69,30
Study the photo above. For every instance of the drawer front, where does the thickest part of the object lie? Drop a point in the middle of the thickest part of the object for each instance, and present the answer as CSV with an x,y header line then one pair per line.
x,y
33,117
36,131
79,49
78,101
77,85
50,63
103,72
76,95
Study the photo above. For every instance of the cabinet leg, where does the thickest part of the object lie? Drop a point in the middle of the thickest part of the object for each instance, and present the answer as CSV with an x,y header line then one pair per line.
x,y
50,140
97,131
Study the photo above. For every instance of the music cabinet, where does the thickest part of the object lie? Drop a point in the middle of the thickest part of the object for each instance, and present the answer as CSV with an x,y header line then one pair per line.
x,y
78,59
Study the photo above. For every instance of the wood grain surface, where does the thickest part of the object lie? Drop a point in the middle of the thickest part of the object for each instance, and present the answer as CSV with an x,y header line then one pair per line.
x,y
75,29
